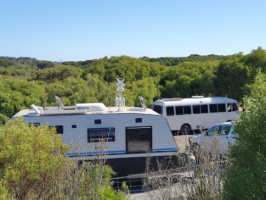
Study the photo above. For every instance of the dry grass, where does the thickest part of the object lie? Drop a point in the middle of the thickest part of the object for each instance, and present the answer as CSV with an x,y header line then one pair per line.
x,y
197,180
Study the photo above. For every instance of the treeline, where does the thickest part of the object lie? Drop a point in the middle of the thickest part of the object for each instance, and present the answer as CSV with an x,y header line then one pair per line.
x,y
172,61
24,81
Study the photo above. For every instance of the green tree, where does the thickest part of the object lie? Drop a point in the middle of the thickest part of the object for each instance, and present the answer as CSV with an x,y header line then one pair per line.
x,y
32,159
245,178
18,93
231,78
58,73
188,79
45,64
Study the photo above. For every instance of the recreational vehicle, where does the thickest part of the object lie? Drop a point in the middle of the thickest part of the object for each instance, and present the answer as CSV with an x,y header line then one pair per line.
x,y
124,136
196,113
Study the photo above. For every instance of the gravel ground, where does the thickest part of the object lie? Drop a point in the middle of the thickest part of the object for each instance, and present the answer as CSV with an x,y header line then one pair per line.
x,y
182,141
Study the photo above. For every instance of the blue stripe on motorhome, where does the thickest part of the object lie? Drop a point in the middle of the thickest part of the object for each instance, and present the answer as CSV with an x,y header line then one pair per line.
x,y
94,153
113,152
167,149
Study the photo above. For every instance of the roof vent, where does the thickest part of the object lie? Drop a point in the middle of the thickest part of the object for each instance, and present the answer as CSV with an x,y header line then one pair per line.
x,y
90,106
197,97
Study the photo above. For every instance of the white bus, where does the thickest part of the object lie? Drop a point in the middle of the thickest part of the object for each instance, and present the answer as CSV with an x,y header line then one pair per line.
x,y
196,113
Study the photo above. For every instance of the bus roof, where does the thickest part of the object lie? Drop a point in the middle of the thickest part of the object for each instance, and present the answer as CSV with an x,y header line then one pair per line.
x,y
193,101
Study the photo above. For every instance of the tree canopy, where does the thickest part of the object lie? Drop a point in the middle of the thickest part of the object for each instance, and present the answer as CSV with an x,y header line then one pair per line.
x,y
28,80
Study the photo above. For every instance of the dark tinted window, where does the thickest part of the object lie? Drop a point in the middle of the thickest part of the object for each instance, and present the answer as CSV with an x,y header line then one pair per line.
x,y
179,110
213,108
170,111
35,124
221,107
204,109
187,109
158,109
235,108
59,129
101,134
196,109
139,139
74,126
97,121
138,120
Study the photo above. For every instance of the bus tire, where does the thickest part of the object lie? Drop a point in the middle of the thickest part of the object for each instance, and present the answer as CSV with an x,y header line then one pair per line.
x,y
185,129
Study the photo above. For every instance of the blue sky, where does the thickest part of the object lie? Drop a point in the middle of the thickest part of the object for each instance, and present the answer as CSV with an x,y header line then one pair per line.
x,y
64,30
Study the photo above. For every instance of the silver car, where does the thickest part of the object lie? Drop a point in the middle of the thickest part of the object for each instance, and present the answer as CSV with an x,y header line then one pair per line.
x,y
215,139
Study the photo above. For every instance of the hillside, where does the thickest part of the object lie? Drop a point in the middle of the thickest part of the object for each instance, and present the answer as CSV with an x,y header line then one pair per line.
x,y
24,81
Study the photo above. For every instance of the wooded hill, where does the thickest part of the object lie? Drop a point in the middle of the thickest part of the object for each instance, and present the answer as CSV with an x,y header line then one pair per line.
x,y
26,81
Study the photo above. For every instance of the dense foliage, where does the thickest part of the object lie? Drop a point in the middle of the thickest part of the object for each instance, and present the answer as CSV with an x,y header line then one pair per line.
x,y
245,178
172,61
26,80
33,166
32,158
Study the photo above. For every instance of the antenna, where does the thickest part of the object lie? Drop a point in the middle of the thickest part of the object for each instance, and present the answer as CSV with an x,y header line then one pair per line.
x,y
120,100
60,104
142,102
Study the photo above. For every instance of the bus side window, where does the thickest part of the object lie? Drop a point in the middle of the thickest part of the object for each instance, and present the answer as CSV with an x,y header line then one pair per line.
x,y
229,107
213,108
221,107
235,108
170,111
158,109
179,110
196,109
187,110
204,109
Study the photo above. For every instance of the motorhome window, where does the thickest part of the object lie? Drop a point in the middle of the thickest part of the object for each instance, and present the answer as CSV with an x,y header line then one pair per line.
x,y
187,109
158,109
97,121
179,110
74,126
221,107
59,129
196,109
213,108
34,124
138,120
170,111
204,109
235,108
101,134
138,139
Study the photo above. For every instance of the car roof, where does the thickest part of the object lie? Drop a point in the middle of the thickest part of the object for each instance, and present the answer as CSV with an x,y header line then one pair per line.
x,y
223,123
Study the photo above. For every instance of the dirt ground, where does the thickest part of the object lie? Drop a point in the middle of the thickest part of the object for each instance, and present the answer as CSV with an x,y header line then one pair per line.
x,y
182,141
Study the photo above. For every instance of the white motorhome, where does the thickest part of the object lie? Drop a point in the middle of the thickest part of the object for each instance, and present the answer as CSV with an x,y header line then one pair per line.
x,y
196,113
125,136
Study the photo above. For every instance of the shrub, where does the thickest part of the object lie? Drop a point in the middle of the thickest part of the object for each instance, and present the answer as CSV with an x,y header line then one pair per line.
x,y
31,159
245,178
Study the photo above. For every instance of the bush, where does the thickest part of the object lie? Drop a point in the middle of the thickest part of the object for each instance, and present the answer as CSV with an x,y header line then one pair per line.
x,y
31,159
245,178
33,166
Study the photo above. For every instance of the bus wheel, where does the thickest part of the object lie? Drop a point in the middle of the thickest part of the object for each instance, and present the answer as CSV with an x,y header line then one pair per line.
x,y
185,129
